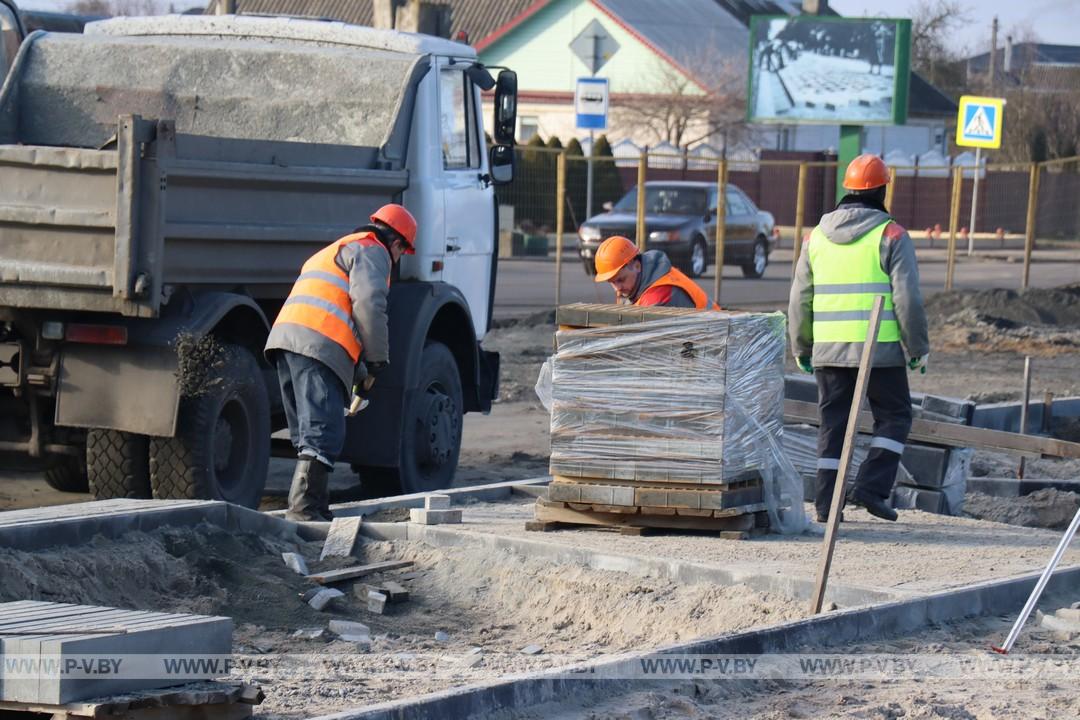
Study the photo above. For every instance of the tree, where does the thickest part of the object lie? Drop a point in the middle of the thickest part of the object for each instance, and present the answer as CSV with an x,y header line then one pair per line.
x,y
607,183
576,174
683,108
113,8
935,54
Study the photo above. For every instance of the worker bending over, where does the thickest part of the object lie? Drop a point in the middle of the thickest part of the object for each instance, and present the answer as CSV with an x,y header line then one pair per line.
x,y
646,278
856,253
331,335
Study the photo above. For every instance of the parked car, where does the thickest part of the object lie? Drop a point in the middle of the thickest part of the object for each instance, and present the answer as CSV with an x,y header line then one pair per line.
x,y
680,219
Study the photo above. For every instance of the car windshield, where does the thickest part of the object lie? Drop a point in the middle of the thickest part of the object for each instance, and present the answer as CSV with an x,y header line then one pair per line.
x,y
666,201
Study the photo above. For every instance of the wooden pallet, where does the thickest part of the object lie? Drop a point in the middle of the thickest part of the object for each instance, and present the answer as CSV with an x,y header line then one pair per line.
x,y
732,524
197,701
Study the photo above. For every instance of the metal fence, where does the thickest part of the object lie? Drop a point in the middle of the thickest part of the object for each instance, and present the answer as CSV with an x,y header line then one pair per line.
x,y
956,209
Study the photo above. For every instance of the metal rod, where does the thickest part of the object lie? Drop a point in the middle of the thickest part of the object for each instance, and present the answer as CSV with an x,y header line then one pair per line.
x,y
890,189
861,382
974,202
721,226
589,178
1067,538
1029,231
560,216
642,168
954,221
1024,411
800,218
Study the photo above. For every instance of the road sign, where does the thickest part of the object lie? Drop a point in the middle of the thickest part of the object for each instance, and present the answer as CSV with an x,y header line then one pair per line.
x,y
979,122
591,103
594,46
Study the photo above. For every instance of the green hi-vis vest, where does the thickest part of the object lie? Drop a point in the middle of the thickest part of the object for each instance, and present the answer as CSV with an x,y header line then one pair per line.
x,y
847,278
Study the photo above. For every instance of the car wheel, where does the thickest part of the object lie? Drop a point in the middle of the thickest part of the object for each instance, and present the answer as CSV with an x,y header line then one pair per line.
x,y
699,261
222,447
758,261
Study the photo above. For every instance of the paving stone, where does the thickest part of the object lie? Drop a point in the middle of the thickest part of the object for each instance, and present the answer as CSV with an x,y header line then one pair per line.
x,y
376,601
60,630
471,661
436,502
532,650
441,636
295,562
349,627
474,651
434,517
324,597
342,538
311,633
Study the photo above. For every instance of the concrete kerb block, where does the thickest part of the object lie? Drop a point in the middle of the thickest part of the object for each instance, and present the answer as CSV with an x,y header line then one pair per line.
x,y
421,516
926,464
436,502
342,537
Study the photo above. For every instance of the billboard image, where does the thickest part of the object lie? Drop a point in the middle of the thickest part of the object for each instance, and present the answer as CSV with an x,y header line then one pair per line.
x,y
812,69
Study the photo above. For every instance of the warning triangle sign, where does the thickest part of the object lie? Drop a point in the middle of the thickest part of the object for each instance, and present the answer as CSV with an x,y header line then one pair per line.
x,y
979,124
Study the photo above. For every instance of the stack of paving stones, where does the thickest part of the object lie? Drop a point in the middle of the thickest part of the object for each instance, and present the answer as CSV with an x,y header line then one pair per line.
x,y
103,643
661,412
934,478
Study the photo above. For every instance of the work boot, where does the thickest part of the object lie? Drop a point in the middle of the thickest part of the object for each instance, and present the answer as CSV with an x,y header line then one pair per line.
x,y
308,493
873,504
823,517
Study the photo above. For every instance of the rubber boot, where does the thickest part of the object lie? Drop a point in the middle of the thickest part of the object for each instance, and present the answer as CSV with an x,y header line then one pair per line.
x,y
307,491
324,492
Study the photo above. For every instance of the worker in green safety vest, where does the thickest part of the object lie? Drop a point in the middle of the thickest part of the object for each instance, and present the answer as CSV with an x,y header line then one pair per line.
x,y
856,253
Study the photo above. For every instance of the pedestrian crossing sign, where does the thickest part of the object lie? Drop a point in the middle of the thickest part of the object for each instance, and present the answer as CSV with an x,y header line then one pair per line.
x,y
979,122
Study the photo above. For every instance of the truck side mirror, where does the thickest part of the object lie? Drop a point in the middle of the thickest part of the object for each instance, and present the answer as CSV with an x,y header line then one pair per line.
x,y
608,206
501,164
505,108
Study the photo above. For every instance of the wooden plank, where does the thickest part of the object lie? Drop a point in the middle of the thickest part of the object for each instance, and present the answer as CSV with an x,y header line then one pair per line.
x,y
557,513
357,571
862,380
939,433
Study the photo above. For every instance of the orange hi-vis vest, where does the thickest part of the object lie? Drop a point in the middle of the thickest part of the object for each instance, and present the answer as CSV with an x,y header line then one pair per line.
x,y
677,278
320,298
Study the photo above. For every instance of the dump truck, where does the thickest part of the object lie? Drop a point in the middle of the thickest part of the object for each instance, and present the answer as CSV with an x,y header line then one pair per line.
x,y
162,180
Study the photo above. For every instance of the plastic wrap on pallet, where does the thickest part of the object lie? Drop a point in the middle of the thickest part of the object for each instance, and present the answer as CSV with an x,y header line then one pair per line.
x,y
692,399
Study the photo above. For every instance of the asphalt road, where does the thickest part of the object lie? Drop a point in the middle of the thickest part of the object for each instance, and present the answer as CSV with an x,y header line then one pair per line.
x,y
527,286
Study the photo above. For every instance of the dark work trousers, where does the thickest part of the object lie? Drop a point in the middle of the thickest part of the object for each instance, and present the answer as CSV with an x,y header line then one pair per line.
x,y
890,404
314,401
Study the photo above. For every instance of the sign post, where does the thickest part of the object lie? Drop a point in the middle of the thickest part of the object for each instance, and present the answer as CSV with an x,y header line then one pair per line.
x,y
978,125
593,46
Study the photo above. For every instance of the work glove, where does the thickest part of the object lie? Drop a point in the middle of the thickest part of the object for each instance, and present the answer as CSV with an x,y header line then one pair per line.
x,y
374,368
919,363
803,361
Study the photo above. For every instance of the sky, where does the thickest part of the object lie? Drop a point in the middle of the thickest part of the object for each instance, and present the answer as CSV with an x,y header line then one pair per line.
x,y
1053,21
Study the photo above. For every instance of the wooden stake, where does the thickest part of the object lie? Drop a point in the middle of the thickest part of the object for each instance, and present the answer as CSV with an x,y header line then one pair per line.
x,y
861,382
1024,411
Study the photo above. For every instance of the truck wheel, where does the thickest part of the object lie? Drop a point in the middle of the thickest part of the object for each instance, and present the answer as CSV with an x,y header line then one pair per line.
x,y
66,474
222,447
431,431
117,464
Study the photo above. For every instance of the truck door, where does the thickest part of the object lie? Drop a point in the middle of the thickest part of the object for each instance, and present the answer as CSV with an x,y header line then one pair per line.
x,y
469,213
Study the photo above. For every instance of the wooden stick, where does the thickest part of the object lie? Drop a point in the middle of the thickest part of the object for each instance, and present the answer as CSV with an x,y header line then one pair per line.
x,y
1024,411
357,571
861,382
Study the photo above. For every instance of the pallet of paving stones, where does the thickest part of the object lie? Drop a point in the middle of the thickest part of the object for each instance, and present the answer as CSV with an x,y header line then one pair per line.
x,y
208,700
733,511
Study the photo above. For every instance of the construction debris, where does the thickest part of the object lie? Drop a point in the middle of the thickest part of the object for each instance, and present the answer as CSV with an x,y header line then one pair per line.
x,y
436,502
324,597
349,627
342,538
295,562
441,636
376,601
357,571
311,633
532,650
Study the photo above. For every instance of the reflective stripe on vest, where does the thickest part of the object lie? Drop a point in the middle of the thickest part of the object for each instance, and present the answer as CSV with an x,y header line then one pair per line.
x,y
846,280
320,298
676,278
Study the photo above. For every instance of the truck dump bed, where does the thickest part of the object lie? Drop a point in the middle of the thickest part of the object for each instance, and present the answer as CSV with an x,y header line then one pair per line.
x,y
132,163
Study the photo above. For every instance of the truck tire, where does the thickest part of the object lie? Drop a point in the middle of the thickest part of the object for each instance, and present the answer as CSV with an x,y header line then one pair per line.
x,y
117,464
66,474
222,447
431,428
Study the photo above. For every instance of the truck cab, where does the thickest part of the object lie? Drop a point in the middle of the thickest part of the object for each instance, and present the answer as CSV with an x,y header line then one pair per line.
x,y
162,205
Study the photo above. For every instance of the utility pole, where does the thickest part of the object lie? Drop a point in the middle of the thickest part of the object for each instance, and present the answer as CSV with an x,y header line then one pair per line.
x,y
993,52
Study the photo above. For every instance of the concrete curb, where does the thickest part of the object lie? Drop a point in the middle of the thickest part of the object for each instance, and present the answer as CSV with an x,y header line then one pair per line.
x,y
480,493
75,524
847,626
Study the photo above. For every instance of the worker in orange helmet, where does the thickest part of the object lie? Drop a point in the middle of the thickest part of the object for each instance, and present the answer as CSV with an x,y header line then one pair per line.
x,y
646,278
856,253
332,334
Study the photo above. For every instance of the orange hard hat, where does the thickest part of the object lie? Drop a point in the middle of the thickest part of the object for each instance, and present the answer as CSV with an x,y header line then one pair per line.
x,y
400,221
612,256
866,172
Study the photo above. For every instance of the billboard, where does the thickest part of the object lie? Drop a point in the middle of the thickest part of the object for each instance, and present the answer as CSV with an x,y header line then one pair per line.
x,y
828,70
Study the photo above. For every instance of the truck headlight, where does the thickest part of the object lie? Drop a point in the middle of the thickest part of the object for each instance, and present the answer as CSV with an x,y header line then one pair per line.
x,y
589,233
664,235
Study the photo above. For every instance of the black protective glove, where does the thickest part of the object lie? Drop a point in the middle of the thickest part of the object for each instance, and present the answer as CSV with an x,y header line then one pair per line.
x,y
374,368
